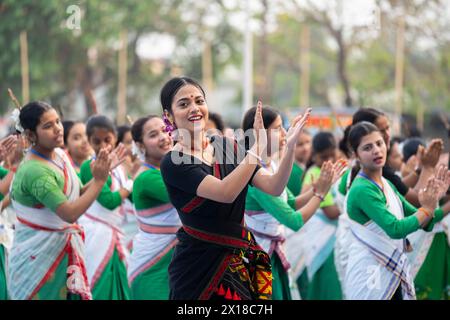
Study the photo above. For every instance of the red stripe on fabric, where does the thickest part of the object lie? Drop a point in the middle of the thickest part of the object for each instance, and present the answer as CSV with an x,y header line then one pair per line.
x,y
104,262
87,295
130,245
192,204
219,239
217,171
153,261
120,248
158,229
267,281
49,272
35,226
41,228
206,294
66,177
282,256
102,221
154,211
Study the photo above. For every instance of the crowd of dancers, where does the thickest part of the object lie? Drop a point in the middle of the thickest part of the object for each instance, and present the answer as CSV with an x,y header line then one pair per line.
x,y
179,206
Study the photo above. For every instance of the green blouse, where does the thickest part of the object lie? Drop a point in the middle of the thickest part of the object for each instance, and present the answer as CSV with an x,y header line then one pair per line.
x,y
37,183
295,180
107,198
149,190
342,187
284,212
3,173
367,202
314,172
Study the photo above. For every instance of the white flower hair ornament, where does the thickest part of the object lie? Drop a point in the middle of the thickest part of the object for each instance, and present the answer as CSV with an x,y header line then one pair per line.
x,y
15,116
136,151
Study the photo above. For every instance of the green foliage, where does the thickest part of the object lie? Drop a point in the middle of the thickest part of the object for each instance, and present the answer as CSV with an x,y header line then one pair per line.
x,y
62,66
58,57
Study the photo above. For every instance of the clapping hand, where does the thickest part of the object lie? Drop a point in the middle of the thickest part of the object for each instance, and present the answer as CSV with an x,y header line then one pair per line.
x,y
325,180
297,126
260,131
435,188
100,167
442,175
8,146
429,157
118,156
339,168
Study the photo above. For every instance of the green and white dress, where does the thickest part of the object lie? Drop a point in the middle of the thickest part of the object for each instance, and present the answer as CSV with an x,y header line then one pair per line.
x,y
295,179
106,252
315,268
429,259
46,260
153,245
3,239
343,229
266,217
380,220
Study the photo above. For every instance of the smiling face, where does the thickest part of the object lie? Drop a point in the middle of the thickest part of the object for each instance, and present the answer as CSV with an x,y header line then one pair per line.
x,y
50,131
102,138
189,109
276,136
77,142
156,141
371,151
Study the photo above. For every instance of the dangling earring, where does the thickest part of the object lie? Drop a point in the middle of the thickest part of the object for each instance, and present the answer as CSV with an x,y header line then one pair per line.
x,y
170,127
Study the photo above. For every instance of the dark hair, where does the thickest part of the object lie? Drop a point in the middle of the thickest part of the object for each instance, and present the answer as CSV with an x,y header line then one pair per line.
x,y
323,141
410,147
218,121
392,142
67,125
99,121
269,115
30,114
171,88
138,126
357,132
121,131
343,143
397,139
366,114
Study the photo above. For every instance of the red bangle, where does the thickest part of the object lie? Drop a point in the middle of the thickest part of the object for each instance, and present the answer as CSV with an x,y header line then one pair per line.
x,y
14,169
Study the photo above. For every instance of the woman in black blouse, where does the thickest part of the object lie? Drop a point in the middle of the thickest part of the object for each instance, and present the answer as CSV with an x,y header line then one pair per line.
x,y
207,180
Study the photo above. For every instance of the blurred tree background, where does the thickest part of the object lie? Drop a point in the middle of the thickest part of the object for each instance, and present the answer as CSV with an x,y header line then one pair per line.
x,y
352,60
